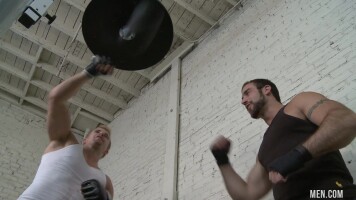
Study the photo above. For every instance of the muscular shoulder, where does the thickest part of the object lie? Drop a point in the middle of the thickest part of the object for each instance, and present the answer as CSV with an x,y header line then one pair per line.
x,y
59,144
305,101
303,104
304,97
314,106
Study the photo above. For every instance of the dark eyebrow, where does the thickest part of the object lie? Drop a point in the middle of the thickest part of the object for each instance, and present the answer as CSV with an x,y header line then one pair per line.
x,y
244,93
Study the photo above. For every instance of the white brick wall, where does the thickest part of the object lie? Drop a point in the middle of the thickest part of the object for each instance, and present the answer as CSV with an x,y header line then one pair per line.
x,y
23,139
300,45
135,162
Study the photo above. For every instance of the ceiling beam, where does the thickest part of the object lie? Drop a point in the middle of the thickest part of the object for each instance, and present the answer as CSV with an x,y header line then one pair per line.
x,y
60,52
93,117
42,104
17,92
178,31
11,89
42,42
37,112
17,52
30,75
118,101
67,31
28,108
47,87
179,52
75,100
14,70
7,98
105,115
75,115
144,72
37,102
196,12
103,95
32,72
127,88
77,131
76,4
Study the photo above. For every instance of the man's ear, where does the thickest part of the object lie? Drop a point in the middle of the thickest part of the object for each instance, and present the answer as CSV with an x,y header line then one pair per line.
x,y
267,90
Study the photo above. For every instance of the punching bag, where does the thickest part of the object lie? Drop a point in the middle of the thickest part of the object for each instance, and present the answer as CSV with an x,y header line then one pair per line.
x,y
135,34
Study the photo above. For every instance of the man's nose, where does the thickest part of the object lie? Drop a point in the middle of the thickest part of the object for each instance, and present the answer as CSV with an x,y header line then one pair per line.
x,y
243,101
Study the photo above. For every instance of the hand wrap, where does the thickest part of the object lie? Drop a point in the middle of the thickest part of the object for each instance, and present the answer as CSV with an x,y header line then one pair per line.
x,y
291,161
220,156
92,190
95,61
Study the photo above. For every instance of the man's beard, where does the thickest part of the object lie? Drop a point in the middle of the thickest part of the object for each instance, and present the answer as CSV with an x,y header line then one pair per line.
x,y
258,106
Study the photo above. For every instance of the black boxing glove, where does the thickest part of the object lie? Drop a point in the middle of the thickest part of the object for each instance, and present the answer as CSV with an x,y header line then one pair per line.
x,y
291,161
96,60
91,190
220,156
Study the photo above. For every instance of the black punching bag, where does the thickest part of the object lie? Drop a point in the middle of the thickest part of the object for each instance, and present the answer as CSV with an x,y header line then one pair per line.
x,y
135,34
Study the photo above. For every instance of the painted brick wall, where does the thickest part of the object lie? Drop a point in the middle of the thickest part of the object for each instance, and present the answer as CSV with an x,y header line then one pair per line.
x,y
135,162
300,45
23,139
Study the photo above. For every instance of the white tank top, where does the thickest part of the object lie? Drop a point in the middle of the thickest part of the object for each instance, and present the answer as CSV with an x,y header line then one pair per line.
x,y
60,175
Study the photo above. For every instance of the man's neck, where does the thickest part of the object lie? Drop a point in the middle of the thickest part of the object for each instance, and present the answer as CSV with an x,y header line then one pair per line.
x,y
91,157
271,110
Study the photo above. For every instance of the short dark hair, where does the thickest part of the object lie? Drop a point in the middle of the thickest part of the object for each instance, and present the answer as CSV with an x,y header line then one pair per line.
x,y
260,83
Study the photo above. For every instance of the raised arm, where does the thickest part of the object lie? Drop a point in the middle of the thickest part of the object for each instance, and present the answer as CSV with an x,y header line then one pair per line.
x,y
58,117
257,184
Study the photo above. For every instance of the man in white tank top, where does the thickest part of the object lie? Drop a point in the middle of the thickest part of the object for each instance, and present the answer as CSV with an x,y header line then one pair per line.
x,y
69,170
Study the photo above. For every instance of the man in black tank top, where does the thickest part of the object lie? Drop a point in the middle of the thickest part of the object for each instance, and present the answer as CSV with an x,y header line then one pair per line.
x,y
299,156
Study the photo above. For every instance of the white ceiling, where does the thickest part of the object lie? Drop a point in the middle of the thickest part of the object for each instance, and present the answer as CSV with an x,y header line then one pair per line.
x,y
32,61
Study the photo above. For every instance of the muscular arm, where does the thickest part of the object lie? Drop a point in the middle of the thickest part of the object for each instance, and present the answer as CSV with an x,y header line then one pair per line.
x,y
257,184
58,117
337,123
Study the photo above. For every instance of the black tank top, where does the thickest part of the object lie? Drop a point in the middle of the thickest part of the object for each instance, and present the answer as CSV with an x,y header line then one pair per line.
x,y
286,132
